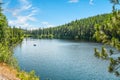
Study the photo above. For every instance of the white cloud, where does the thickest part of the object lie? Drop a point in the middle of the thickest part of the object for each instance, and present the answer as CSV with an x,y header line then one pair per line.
x,y
73,1
46,24
32,28
91,2
22,21
23,14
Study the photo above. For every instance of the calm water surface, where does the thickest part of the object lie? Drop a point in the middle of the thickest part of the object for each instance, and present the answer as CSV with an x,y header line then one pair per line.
x,y
62,60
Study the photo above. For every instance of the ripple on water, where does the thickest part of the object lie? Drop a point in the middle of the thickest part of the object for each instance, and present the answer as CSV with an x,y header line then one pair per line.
x,y
62,60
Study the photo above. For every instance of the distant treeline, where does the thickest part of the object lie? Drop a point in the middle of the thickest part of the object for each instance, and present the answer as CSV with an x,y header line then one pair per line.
x,y
82,29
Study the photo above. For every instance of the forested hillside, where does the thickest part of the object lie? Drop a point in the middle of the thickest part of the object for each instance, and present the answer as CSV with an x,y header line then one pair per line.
x,y
82,29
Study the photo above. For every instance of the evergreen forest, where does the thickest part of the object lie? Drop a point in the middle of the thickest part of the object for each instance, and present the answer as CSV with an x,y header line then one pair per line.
x,y
104,28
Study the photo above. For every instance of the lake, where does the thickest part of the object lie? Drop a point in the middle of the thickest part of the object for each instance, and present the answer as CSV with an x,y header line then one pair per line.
x,y
56,59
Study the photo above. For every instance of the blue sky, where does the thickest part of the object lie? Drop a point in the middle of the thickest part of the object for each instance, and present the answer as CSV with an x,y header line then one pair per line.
x,y
49,13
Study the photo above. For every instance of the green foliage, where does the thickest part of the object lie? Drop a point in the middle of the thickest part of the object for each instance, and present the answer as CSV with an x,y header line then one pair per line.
x,y
114,66
111,52
27,76
16,35
97,53
4,30
82,29
110,69
117,73
112,61
9,37
6,56
103,54
109,33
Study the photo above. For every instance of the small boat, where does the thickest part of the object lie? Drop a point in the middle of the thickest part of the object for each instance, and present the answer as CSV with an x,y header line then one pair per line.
x,y
34,44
